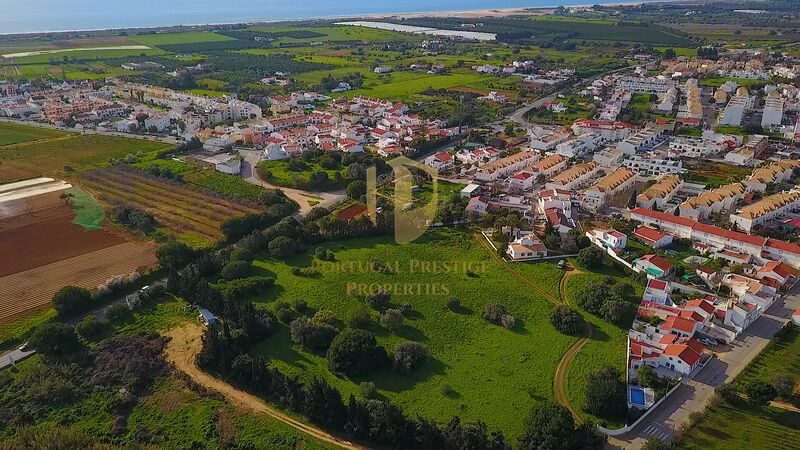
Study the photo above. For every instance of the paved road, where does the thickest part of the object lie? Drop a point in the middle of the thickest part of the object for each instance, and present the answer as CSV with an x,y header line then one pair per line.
x,y
303,198
693,395
14,356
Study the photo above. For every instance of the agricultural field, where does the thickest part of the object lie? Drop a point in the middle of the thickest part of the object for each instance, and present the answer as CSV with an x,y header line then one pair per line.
x,y
11,133
476,370
782,356
59,156
192,215
279,173
189,37
715,174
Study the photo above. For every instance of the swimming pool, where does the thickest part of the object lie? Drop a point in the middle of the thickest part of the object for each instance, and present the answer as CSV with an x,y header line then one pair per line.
x,y
637,396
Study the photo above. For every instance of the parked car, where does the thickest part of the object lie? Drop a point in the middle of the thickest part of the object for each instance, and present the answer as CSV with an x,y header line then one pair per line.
x,y
561,264
709,342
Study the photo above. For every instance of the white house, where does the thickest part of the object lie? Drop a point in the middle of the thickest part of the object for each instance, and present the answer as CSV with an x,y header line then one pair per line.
x,y
440,161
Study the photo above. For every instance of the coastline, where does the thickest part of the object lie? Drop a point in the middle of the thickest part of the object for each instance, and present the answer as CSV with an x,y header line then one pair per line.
x,y
468,13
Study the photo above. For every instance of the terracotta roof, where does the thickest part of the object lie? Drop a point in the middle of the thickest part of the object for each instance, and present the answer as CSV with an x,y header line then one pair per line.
x,y
768,204
679,323
662,216
649,235
613,180
573,173
661,189
657,261
657,284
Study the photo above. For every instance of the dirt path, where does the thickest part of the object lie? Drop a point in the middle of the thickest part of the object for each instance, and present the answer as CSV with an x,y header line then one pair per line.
x,y
562,370
182,351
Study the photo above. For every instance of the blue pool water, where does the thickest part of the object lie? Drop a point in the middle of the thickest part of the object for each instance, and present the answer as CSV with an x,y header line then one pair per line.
x,y
637,396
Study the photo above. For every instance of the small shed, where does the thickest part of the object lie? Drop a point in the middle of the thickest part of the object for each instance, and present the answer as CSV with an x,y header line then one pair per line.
x,y
207,317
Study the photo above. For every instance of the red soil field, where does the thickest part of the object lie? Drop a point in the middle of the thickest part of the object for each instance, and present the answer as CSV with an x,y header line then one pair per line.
x,y
26,292
352,211
47,236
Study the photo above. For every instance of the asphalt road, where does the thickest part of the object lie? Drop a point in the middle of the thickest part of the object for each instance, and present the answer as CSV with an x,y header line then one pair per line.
x,y
14,356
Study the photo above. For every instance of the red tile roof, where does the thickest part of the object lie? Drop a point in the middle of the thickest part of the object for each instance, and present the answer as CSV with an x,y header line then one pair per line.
x,y
702,304
683,351
679,323
662,216
657,284
657,261
649,235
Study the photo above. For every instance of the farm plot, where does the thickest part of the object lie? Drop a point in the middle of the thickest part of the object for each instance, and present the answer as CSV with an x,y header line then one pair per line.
x,y
45,237
176,207
14,134
25,292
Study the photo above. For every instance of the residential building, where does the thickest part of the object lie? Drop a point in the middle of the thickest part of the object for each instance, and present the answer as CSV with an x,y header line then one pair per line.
x,y
639,142
647,85
471,190
653,265
609,186
573,177
526,247
779,172
646,166
506,166
712,202
609,131
777,274
659,194
734,111
555,199
609,157
609,239
440,161
773,111
579,146
652,237
658,291
521,180
546,138
765,210
693,147
548,165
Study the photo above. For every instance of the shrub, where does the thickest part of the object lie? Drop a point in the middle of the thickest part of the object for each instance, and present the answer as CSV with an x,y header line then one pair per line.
x,y
358,317
355,352
324,316
497,315
241,254
408,356
392,319
378,300
368,390
300,305
606,392
117,312
760,393
71,299
566,320
783,384
453,303
90,329
311,334
282,246
590,257
236,269
54,339
727,392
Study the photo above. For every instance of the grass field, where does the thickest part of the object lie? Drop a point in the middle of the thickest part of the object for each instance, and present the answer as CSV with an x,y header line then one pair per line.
x,y
743,426
189,37
80,152
86,55
495,375
606,347
11,133
782,356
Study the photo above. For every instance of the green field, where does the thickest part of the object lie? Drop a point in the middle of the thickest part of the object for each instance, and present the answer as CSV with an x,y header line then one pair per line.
x,y
180,38
11,133
86,55
607,345
743,426
80,152
782,356
495,375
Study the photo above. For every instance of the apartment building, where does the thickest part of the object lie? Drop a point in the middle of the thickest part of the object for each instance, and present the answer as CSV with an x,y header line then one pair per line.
x,y
609,186
693,147
506,166
712,202
779,172
646,85
659,194
573,177
639,142
766,209
609,131
653,166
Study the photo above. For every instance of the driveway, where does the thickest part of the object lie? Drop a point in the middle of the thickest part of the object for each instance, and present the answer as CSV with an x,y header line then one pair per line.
x,y
306,199
693,395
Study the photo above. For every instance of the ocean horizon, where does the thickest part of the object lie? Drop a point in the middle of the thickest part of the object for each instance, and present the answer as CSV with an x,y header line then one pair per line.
x,y
38,16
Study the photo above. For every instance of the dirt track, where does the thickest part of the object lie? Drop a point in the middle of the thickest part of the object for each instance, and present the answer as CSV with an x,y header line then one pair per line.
x,y
182,351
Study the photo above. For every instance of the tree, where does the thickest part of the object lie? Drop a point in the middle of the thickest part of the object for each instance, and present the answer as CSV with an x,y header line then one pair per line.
x,y
392,319
355,189
566,320
669,53
90,329
54,339
647,376
282,246
174,255
593,296
236,269
71,299
378,300
623,290
613,310
606,392
727,392
355,352
784,384
311,334
590,257
408,356
498,315
760,393
549,427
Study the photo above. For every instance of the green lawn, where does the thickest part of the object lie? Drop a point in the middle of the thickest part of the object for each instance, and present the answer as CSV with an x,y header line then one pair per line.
x,y
496,375
416,83
11,133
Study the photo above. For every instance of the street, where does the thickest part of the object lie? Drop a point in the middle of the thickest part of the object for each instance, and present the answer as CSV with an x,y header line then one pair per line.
x,y
14,356
693,395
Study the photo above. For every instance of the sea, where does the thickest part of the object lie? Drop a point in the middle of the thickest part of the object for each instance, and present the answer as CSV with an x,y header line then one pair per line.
x,y
30,16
